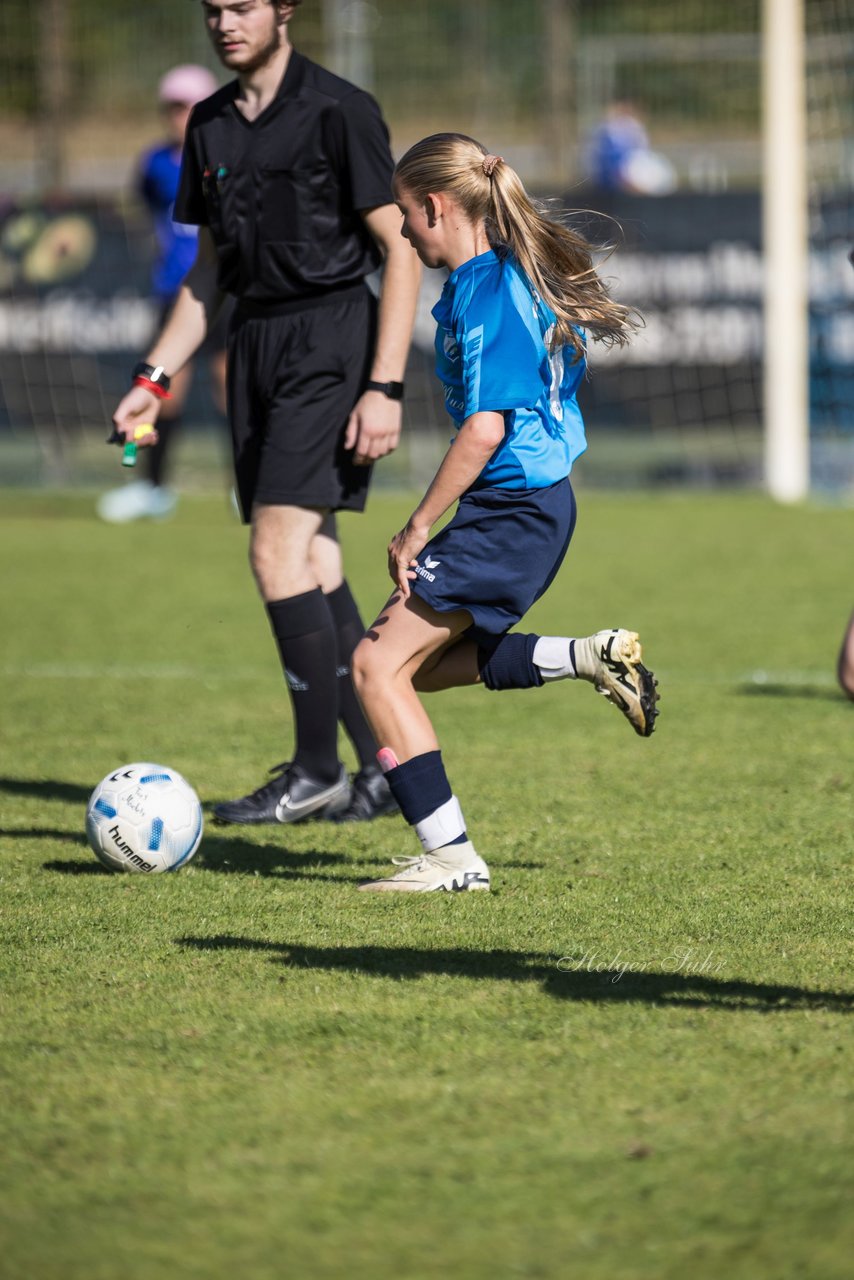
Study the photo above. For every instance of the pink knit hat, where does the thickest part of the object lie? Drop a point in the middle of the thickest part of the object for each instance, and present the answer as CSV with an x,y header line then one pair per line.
x,y
188,84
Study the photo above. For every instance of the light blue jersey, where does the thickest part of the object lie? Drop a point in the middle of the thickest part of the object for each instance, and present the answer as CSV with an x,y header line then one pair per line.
x,y
492,353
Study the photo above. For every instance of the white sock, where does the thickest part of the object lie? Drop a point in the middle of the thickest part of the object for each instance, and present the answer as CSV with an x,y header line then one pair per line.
x,y
587,664
442,826
553,658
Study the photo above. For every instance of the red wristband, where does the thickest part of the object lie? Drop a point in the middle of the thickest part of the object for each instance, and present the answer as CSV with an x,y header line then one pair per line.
x,y
153,387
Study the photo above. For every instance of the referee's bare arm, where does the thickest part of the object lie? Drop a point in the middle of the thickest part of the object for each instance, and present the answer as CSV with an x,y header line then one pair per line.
x,y
194,312
374,426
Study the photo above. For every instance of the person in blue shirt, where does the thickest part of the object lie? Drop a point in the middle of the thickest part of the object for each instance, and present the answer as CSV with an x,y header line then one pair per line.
x,y
618,155
158,175
521,297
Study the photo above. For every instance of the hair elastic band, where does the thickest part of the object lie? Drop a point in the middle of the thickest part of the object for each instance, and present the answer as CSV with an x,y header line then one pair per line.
x,y
489,164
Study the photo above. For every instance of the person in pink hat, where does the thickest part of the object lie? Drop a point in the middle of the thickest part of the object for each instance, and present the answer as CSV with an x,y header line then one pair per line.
x,y
157,176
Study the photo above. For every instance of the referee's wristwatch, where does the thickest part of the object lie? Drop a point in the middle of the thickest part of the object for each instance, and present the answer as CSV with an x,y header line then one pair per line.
x,y
393,390
153,378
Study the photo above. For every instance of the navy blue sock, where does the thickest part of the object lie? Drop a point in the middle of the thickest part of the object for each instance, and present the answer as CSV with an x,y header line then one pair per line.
x,y
420,786
510,663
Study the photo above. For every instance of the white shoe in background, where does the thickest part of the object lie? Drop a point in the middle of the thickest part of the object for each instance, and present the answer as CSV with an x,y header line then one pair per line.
x,y
139,500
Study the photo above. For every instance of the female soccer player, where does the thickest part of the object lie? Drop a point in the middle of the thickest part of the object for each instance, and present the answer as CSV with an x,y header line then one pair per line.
x,y
510,350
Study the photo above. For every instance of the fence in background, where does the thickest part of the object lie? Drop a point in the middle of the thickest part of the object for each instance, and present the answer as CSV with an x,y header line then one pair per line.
x,y
533,78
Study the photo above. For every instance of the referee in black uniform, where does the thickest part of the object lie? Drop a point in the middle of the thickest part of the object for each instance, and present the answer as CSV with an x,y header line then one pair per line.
x,y
287,172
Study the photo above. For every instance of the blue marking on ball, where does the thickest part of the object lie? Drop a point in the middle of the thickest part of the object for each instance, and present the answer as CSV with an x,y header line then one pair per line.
x,y
191,845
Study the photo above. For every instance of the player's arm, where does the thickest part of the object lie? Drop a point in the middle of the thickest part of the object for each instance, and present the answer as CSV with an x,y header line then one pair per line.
x,y
195,310
374,426
478,438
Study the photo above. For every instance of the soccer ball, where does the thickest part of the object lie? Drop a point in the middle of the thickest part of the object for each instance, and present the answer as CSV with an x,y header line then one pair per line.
x,y
144,817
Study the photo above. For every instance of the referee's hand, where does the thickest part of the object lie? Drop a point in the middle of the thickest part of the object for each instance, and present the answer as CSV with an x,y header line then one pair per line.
x,y
373,429
138,406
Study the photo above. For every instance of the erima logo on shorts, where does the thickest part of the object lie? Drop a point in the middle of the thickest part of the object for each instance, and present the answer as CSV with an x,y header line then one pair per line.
x,y
428,564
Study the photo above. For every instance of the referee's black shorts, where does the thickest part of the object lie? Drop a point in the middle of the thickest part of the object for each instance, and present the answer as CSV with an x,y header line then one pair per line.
x,y
293,379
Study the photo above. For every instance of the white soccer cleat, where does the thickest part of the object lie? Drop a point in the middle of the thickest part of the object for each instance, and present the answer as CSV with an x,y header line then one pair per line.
x,y
612,660
455,868
140,500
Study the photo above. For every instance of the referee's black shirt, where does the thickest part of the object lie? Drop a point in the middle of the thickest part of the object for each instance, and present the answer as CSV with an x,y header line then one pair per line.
x,y
281,194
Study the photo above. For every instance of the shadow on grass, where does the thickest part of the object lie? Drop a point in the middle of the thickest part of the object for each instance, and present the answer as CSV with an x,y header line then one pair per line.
x,y
89,868
77,868
558,977
43,833
819,692
232,857
46,789
218,853
235,857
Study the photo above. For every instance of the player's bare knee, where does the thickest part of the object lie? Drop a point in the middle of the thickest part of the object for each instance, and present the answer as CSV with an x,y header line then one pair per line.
x,y
324,561
845,671
373,676
364,668
261,561
424,680
279,565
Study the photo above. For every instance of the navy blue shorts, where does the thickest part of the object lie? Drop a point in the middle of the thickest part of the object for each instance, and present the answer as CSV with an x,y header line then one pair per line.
x,y
498,555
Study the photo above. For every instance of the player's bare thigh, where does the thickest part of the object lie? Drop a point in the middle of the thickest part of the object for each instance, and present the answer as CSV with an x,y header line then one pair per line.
x,y
454,667
405,635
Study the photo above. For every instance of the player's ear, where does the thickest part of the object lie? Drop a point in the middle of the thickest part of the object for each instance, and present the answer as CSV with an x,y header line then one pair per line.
x,y
434,208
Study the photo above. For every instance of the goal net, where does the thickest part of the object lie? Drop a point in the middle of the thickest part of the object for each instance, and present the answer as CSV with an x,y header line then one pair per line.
x,y
645,119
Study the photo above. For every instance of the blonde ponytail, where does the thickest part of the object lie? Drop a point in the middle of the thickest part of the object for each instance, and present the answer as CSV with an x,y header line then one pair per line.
x,y
557,261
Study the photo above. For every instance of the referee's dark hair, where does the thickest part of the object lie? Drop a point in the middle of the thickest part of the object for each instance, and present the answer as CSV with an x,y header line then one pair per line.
x,y
279,4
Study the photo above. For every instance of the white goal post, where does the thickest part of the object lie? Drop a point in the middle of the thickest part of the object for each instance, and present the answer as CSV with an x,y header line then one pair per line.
x,y
785,248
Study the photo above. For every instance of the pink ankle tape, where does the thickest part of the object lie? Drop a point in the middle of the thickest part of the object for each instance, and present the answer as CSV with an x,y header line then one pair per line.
x,y
386,759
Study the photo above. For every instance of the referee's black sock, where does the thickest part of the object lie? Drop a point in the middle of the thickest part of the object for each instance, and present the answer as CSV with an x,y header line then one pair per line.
x,y
305,634
156,454
349,630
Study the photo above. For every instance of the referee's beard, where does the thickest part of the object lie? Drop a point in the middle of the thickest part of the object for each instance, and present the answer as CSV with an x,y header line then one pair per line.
x,y
247,64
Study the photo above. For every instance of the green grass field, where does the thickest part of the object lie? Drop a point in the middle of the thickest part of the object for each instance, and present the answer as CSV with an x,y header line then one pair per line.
x,y
627,1061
